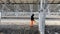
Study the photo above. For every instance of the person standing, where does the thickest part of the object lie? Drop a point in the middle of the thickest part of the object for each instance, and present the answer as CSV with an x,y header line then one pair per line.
x,y
32,20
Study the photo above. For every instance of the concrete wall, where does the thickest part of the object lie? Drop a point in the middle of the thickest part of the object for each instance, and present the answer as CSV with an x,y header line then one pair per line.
x,y
27,22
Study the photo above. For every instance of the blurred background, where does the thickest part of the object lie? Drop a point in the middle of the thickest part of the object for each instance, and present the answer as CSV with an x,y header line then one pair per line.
x,y
15,16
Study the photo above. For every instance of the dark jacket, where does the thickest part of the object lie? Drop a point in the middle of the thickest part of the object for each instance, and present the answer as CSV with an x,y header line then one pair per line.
x,y
32,17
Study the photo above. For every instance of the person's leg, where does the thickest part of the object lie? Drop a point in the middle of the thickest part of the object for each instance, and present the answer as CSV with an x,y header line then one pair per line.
x,y
31,23
31,27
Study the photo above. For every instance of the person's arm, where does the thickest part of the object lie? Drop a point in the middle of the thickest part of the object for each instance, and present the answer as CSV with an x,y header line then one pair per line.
x,y
35,21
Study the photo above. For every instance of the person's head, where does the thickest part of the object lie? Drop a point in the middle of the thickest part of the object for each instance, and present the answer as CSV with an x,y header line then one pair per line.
x,y
32,14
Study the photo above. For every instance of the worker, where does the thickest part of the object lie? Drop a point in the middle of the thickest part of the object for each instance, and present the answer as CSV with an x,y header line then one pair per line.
x,y
32,20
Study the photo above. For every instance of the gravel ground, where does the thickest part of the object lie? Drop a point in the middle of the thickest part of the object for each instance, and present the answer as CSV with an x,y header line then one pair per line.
x,y
52,29
22,30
